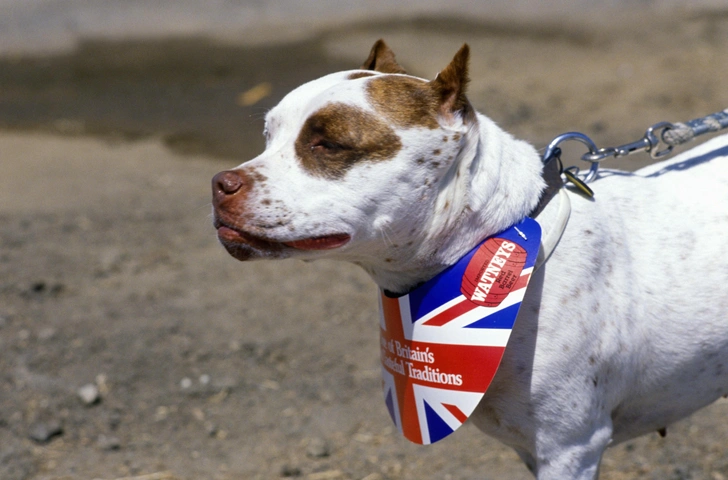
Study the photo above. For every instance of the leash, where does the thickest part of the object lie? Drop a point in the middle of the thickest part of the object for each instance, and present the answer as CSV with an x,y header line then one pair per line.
x,y
659,141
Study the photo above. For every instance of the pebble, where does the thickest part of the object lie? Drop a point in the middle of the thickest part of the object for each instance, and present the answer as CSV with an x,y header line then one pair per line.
x,y
43,432
108,443
161,413
102,384
317,448
47,334
211,429
89,394
290,471
185,383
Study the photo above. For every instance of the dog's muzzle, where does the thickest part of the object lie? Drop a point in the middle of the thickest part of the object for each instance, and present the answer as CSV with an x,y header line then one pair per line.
x,y
234,223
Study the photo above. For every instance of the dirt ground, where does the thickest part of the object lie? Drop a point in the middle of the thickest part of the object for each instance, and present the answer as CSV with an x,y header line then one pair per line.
x,y
202,367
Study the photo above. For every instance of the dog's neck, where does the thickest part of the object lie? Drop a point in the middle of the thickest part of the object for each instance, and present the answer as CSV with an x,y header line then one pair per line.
x,y
494,182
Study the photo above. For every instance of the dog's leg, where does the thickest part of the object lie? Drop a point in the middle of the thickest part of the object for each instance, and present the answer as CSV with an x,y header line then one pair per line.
x,y
566,456
544,403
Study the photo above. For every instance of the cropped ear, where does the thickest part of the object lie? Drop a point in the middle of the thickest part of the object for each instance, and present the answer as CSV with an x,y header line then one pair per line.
x,y
450,85
381,59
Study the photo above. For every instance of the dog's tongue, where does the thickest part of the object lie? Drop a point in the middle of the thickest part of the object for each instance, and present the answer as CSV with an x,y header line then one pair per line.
x,y
320,243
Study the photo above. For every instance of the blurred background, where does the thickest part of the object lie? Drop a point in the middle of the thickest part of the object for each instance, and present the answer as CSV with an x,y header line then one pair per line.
x,y
133,347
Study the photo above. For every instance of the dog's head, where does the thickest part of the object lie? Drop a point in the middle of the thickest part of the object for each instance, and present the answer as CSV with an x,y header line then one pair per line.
x,y
362,165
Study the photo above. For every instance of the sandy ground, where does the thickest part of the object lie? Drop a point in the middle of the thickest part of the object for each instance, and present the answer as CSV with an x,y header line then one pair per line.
x,y
206,368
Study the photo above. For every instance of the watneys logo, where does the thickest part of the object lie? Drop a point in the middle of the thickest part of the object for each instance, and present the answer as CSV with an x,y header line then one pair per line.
x,y
493,272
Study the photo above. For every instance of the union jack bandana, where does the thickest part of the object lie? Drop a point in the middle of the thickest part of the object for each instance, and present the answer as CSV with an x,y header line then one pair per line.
x,y
442,342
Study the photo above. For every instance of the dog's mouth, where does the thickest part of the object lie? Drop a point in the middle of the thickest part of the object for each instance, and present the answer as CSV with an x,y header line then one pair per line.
x,y
324,242
239,243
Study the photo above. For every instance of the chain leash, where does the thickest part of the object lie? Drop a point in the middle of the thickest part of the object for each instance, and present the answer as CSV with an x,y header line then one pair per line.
x,y
659,140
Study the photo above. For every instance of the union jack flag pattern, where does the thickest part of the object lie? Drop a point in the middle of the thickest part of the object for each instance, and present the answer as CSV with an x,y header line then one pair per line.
x,y
441,343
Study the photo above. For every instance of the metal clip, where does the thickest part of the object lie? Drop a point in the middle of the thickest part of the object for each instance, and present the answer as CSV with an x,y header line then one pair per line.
x,y
655,140
648,143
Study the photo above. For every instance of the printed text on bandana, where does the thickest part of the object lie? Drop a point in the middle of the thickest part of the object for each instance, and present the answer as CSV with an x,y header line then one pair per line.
x,y
492,271
415,363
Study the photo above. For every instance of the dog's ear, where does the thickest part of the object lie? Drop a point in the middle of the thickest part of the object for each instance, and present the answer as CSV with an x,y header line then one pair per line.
x,y
451,83
381,59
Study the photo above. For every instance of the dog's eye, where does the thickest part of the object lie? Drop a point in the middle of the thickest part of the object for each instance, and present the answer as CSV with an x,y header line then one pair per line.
x,y
325,146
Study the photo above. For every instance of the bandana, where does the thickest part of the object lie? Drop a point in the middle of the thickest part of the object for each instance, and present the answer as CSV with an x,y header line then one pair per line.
x,y
442,343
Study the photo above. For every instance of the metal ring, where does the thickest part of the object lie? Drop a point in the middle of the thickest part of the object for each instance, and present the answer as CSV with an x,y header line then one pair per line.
x,y
579,137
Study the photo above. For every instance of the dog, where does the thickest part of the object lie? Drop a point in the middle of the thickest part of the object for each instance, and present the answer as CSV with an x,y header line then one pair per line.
x,y
622,331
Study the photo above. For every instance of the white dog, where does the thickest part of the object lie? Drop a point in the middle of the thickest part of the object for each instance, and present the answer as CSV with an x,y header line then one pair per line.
x,y
622,331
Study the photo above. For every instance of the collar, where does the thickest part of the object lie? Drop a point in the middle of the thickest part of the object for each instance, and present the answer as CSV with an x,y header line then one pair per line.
x,y
551,174
553,223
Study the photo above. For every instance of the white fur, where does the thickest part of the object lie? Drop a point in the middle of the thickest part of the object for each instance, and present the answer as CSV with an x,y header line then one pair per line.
x,y
623,331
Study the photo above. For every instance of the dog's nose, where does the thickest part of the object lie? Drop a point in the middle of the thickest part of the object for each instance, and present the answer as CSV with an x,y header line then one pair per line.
x,y
226,183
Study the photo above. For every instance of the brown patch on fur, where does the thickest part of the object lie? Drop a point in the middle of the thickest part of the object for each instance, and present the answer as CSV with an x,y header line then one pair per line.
x,y
436,152
356,75
411,102
406,101
338,136
381,59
